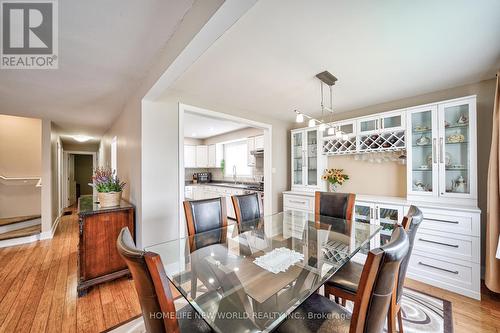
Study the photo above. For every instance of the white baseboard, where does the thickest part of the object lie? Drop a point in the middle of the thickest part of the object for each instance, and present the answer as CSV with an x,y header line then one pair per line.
x,y
50,234
19,225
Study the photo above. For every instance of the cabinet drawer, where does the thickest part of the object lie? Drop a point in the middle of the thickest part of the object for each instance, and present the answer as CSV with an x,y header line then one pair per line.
x,y
450,275
298,202
438,244
449,221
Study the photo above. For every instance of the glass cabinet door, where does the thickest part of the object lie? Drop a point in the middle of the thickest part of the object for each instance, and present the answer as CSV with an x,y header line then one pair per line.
x,y
455,148
393,121
388,217
363,212
422,152
312,157
297,158
368,125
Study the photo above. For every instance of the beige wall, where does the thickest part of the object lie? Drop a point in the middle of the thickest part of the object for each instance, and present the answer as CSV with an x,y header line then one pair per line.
x,y
88,147
20,146
20,156
234,135
386,178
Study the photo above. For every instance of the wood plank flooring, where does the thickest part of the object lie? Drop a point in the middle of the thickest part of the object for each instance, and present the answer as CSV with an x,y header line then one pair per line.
x,y
27,231
38,292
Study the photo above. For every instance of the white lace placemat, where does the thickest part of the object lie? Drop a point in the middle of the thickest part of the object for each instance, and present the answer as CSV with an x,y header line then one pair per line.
x,y
278,260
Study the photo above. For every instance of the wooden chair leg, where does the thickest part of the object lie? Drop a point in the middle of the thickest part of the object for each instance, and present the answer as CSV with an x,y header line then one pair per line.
x,y
391,316
400,321
337,299
343,302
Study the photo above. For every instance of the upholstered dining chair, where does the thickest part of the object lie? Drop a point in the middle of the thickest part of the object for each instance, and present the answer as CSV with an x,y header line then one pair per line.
x,y
339,205
344,284
247,207
376,285
208,217
153,289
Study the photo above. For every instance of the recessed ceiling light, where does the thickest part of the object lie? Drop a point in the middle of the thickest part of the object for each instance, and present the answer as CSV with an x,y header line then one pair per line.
x,y
194,134
82,138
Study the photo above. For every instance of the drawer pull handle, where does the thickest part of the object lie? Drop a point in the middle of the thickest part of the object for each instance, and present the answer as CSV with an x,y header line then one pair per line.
x,y
299,202
441,269
444,221
439,243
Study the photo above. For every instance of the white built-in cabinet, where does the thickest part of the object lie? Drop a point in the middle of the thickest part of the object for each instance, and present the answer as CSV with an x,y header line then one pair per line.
x,y
307,162
202,156
441,151
254,143
259,142
189,156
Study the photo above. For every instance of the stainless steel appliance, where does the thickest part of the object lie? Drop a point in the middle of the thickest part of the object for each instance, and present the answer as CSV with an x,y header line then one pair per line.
x,y
204,177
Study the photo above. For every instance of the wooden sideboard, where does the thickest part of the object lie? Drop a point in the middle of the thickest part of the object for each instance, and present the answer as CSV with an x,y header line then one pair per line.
x,y
98,258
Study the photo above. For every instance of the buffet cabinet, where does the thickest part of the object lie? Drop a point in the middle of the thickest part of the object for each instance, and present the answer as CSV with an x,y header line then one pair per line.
x,y
98,257
446,251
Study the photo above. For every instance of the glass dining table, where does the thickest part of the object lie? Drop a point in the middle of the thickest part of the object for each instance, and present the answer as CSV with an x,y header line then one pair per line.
x,y
249,277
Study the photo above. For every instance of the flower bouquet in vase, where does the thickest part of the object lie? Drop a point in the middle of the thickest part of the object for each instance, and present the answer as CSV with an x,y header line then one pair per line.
x,y
335,178
109,187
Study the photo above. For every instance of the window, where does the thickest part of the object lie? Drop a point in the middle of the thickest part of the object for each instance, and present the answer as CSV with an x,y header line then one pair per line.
x,y
235,154
114,164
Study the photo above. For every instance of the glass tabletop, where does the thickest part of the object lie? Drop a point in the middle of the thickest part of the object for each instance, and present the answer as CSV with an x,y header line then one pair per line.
x,y
248,278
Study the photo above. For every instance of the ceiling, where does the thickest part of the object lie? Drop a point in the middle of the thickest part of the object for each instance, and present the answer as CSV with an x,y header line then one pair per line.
x,y
105,49
197,126
379,51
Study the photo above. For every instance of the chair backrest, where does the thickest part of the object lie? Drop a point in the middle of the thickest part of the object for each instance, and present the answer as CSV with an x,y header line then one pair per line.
x,y
411,222
205,215
376,284
339,205
151,283
247,207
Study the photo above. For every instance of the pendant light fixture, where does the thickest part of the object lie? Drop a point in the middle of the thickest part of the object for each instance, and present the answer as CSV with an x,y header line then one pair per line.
x,y
328,79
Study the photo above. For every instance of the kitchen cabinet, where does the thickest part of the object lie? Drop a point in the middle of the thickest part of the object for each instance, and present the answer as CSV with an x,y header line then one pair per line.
x,y
250,147
393,120
212,154
201,156
202,192
441,151
259,142
307,163
189,156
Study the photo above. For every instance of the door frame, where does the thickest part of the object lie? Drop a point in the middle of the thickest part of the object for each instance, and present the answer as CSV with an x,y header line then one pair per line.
x,y
65,174
268,174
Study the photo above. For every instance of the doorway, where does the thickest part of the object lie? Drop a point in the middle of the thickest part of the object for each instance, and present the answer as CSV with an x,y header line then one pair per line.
x,y
78,169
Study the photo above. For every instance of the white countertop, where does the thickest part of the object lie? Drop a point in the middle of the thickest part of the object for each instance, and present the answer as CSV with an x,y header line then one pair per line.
x,y
400,201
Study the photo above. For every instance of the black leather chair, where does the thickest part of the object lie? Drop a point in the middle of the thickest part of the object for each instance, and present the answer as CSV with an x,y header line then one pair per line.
x,y
344,284
247,207
153,288
319,314
339,205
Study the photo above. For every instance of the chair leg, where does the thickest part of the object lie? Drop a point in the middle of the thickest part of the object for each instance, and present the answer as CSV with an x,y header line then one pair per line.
x,y
337,299
391,316
327,294
400,321
343,301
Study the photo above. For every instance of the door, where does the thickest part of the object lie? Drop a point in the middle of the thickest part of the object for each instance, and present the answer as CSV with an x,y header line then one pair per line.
x,y
387,216
298,160
189,156
312,157
422,151
202,156
457,149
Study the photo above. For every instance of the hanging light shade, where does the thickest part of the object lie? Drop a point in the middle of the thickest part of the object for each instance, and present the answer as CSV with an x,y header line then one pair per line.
x,y
299,118
322,127
311,123
331,131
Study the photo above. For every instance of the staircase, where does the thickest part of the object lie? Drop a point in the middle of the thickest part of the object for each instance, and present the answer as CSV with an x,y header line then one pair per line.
x,y
20,226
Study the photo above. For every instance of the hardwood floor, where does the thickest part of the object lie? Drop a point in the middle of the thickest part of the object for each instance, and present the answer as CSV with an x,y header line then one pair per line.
x,y
38,292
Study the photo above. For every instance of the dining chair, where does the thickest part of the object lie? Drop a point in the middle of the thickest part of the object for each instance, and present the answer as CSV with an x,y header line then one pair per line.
x,y
344,284
333,204
376,285
153,289
247,207
209,217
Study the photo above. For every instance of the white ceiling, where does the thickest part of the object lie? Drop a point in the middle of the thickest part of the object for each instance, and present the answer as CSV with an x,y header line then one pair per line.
x,y
105,49
380,51
201,127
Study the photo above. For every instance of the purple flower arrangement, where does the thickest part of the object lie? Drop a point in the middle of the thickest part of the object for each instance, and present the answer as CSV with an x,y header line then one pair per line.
x,y
105,180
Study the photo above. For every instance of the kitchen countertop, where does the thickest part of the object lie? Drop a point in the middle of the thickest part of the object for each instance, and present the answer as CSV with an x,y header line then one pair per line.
x,y
242,186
